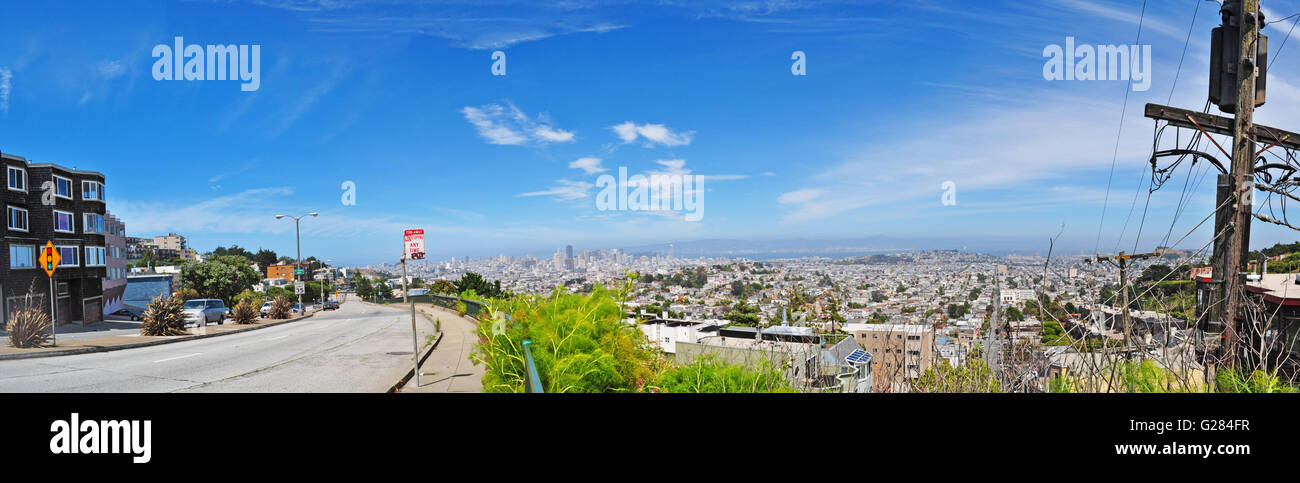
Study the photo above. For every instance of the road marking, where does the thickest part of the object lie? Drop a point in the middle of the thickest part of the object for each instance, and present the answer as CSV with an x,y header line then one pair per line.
x,y
177,357
278,338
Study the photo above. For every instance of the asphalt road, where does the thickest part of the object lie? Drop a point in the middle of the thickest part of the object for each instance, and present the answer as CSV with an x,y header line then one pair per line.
x,y
358,348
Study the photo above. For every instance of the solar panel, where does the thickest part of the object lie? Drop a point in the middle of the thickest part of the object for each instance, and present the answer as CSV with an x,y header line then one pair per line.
x,y
858,356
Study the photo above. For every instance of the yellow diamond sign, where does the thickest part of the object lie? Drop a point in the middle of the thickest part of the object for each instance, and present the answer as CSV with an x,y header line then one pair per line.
x,y
50,258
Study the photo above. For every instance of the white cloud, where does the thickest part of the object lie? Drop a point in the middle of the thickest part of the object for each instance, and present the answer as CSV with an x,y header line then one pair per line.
x,y
5,85
986,148
588,165
508,125
799,196
111,69
652,133
564,190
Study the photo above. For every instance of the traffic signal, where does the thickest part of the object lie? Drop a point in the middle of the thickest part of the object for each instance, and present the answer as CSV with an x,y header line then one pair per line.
x,y
1225,53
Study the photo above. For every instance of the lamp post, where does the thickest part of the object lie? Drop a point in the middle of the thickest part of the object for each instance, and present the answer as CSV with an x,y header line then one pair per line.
x,y
329,273
297,235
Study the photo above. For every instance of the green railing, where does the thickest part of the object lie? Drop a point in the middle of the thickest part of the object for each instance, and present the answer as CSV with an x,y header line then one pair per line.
x,y
472,307
533,384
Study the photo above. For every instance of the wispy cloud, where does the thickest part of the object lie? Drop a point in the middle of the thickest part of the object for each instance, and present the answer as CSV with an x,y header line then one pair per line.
x,y
564,190
508,125
111,69
5,85
652,133
588,165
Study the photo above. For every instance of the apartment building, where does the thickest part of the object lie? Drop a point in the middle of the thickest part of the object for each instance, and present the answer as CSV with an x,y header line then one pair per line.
x,y
50,203
900,353
165,248
115,271
282,271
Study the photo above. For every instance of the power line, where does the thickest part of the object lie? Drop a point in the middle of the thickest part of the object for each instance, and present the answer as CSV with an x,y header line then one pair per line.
x,y
1284,39
1118,135
1184,56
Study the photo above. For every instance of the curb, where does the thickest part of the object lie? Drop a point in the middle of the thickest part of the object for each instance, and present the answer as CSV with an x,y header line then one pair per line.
x,y
110,348
396,388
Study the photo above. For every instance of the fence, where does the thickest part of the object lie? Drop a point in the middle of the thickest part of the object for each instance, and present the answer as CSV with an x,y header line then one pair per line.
x,y
472,307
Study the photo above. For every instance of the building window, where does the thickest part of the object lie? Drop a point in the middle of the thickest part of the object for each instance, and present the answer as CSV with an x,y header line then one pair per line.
x,y
68,256
92,190
62,187
17,178
63,222
17,218
22,256
92,223
94,256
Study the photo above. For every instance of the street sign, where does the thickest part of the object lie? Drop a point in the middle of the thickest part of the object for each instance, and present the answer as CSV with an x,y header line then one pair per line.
x,y
299,271
414,243
299,288
50,258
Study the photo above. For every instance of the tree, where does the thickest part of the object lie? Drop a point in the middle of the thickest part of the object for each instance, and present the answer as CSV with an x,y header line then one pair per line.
x,y
264,258
441,286
221,277
1014,314
363,287
743,314
476,282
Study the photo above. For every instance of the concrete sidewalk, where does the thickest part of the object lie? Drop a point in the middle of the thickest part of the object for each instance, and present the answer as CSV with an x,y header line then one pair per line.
x,y
448,368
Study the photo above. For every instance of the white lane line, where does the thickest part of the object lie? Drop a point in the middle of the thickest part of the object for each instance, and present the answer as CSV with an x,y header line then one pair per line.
x,y
178,357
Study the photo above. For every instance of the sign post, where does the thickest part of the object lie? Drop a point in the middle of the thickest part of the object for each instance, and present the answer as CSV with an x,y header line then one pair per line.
x,y
50,259
413,249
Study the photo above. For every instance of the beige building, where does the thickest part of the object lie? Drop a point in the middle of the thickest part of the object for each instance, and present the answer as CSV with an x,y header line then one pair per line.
x,y
899,352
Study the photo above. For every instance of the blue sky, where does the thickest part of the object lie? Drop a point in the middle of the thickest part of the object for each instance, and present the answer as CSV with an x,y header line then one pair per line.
x,y
399,98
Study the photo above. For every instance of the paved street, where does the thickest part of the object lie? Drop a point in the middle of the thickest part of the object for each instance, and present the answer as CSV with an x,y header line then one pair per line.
x,y
358,348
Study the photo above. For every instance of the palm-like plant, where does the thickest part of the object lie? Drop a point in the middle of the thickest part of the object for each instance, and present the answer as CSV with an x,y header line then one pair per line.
x,y
28,325
244,313
163,316
281,308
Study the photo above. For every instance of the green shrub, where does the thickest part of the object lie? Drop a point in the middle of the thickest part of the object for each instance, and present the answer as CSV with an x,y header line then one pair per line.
x,y
28,326
1234,380
579,344
163,316
709,375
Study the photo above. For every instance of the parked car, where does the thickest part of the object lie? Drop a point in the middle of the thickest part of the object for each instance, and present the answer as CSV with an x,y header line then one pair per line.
x,y
266,308
132,314
297,307
330,305
202,311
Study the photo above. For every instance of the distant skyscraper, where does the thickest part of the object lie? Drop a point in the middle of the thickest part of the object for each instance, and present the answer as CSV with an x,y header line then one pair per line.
x,y
670,251
568,251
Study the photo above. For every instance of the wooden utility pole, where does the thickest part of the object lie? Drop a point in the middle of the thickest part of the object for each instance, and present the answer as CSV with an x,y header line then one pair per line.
x,y
1233,259
1121,261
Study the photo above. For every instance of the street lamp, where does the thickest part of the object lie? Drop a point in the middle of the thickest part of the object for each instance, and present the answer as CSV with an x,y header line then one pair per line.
x,y
297,234
329,272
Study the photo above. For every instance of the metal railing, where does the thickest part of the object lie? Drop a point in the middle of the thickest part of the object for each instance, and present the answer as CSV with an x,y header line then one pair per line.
x,y
532,383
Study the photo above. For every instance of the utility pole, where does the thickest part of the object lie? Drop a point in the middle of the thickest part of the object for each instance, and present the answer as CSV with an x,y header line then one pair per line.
x,y
1237,74
1121,261
1231,261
